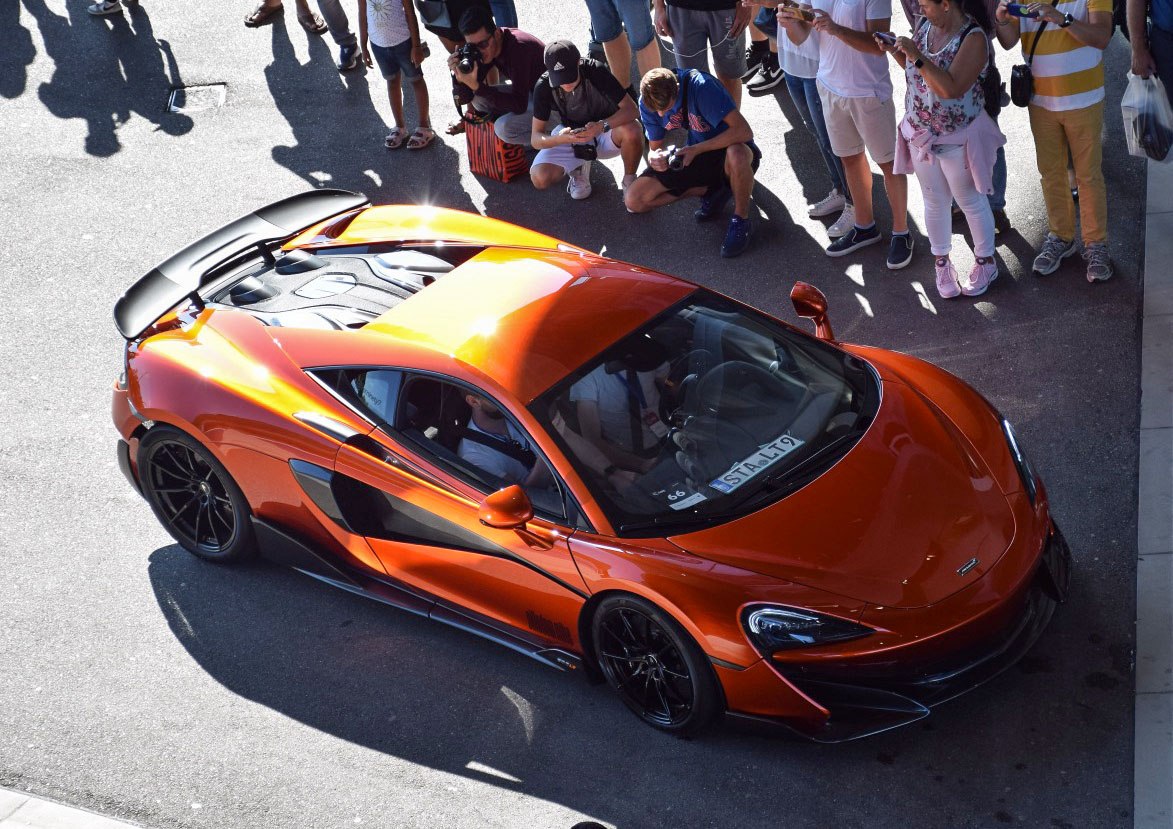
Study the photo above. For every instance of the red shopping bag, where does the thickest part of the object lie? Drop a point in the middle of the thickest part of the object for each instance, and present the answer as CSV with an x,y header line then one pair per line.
x,y
489,156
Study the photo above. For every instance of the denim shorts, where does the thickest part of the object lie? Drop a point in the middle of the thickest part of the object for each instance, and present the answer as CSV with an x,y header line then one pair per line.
x,y
395,59
610,17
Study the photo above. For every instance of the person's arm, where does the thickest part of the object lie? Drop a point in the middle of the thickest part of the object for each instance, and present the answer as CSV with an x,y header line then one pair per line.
x,y
797,29
540,138
625,110
1096,31
362,34
894,51
860,41
742,16
660,19
1006,26
961,75
1138,35
739,132
515,99
417,46
592,430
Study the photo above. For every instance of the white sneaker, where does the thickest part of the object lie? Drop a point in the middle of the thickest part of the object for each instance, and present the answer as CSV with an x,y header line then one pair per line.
x,y
627,181
829,206
844,223
579,186
107,7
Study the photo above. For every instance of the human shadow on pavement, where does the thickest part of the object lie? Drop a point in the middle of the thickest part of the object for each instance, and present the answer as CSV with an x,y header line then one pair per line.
x,y
16,51
338,132
106,71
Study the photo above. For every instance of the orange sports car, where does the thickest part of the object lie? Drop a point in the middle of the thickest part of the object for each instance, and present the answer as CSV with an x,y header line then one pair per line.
x,y
611,470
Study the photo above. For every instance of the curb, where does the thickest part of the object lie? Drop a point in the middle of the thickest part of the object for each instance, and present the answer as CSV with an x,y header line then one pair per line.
x,y
22,811
1153,793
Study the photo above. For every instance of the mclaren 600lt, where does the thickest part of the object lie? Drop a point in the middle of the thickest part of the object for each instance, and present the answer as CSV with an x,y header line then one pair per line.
x,y
611,470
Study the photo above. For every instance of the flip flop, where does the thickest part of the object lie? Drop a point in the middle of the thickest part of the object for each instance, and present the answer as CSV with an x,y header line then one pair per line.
x,y
262,15
456,127
395,138
422,137
312,23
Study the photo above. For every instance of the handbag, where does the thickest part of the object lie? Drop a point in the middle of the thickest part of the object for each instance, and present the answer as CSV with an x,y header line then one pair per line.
x,y
1022,80
434,13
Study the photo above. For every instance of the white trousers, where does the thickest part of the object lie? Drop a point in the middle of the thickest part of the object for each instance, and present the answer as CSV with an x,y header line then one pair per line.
x,y
946,178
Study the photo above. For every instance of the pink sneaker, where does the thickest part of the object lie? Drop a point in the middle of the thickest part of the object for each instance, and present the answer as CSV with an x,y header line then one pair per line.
x,y
947,285
985,271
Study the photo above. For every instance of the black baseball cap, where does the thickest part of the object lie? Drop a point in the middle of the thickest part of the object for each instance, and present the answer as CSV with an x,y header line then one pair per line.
x,y
562,62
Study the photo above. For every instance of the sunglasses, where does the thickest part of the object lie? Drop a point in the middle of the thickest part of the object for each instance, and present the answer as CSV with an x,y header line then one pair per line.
x,y
480,44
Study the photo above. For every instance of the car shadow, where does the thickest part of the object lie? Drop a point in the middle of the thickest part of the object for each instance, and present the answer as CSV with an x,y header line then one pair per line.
x,y
106,70
341,144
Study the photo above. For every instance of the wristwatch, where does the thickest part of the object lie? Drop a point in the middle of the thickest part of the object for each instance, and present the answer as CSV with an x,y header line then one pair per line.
x,y
1067,21
606,127
918,63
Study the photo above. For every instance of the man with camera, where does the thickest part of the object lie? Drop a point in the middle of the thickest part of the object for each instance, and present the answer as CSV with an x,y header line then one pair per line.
x,y
598,121
1062,87
718,160
494,72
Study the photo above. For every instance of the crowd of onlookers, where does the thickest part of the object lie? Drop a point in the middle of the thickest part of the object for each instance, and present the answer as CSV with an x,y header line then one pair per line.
x,y
831,55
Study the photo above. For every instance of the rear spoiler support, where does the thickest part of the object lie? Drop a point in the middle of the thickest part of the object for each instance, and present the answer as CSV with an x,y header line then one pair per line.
x,y
186,272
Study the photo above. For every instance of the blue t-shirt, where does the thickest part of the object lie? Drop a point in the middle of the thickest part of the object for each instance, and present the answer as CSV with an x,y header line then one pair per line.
x,y
1161,11
708,104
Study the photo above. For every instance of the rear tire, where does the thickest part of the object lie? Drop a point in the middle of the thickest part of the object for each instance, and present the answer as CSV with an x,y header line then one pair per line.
x,y
657,669
194,497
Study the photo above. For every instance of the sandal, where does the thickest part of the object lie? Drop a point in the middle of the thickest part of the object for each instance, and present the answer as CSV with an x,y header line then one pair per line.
x,y
456,127
422,137
263,14
312,23
395,138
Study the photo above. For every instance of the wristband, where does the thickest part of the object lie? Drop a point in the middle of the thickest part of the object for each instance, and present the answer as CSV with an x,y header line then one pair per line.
x,y
606,127
918,63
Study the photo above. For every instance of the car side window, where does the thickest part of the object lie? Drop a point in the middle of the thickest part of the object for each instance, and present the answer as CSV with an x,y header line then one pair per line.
x,y
464,431
373,392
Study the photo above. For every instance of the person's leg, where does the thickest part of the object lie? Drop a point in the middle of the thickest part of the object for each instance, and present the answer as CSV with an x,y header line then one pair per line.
x,y
545,175
607,28
641,36
1051,159
937,198
997,199
975,204
337,22
739,171
690,39
395,98
514,128
859,185
876,122
896,186
1084,130
422,103
504,13
629,139
728,54
618,52
647,193
814,106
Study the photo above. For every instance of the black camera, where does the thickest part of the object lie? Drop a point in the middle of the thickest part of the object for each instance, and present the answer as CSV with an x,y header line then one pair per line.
x,y
675,159
468,57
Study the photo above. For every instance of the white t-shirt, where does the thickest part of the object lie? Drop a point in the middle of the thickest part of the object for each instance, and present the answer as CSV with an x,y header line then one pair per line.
x,y
510,470
610,392
799,60
843,69
387,23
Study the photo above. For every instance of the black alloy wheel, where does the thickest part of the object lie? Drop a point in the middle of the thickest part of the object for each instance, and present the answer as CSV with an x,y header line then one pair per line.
x,y
657,669
194,497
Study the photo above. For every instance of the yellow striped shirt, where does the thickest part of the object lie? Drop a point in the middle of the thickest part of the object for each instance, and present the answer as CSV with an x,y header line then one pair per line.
x,y
1068,74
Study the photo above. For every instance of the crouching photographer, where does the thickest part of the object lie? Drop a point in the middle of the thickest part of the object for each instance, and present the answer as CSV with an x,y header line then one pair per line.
x,y
493,72
718,160
599,120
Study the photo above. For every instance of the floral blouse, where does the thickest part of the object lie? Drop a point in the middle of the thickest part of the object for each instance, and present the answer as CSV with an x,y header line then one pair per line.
x,y
924,108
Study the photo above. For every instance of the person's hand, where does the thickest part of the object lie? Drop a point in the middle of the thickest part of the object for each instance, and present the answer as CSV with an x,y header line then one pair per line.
x,y
1143,65
469,79
366,58
658,160
1001,16
686,154
592,131
417,54
742,15
907,47
1047,12
660,21
621,479
824,24
883,44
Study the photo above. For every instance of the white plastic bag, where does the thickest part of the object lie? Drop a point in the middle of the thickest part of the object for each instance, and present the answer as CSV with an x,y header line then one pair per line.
x,y
1148,119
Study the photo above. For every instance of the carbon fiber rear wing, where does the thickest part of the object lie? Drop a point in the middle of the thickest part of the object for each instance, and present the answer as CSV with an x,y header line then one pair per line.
x,y
187,271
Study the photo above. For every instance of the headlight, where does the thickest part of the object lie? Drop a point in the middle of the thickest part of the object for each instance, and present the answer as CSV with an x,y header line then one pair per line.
x,y
774,629
1025,470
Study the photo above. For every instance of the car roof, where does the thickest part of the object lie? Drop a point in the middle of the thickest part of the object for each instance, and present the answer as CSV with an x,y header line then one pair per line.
x,y
526,318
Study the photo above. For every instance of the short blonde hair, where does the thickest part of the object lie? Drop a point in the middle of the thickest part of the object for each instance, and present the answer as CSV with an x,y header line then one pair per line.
x,y
658,89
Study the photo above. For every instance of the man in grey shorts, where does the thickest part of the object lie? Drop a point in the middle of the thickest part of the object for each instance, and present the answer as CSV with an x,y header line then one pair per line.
x,y
697,26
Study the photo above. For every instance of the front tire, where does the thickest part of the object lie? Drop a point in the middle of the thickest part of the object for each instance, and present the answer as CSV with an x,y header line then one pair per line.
x,y
194,497
657,669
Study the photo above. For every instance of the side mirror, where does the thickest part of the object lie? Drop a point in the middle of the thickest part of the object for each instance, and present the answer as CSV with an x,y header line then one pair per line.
x,y
506,509
809,302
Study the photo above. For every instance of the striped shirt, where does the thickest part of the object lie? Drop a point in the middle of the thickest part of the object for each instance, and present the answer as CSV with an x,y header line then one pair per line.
x,y
1067,73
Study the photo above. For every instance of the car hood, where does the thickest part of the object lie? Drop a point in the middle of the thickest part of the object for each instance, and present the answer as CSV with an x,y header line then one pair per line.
x,y
897,522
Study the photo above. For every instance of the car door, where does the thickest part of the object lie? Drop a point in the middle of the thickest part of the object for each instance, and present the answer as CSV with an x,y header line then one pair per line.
x,y
425,527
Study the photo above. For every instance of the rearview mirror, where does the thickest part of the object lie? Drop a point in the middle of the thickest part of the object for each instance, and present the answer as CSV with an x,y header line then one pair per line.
x,y
810,303
506,509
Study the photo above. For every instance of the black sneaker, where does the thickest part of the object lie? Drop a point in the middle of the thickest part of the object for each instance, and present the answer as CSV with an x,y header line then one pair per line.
x,y
768,79
736,237
755,58
1001,222
853,240
348,58
712,203
899,251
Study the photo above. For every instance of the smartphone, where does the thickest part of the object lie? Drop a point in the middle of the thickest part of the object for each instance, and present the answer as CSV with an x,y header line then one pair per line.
x,y
804,14
887,38
1020,10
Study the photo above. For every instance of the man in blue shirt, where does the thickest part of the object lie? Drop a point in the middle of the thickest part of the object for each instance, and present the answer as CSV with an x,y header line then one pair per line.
x,y
717,160
1152,45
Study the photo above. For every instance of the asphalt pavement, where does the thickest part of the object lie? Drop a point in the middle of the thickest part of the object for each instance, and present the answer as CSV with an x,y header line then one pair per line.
x,y
140,683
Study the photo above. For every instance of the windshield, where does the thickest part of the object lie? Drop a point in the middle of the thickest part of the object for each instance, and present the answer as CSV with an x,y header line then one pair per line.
x,y
708,412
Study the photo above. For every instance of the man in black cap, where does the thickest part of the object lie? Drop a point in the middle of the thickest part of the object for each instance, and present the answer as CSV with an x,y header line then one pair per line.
x,y
599,120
